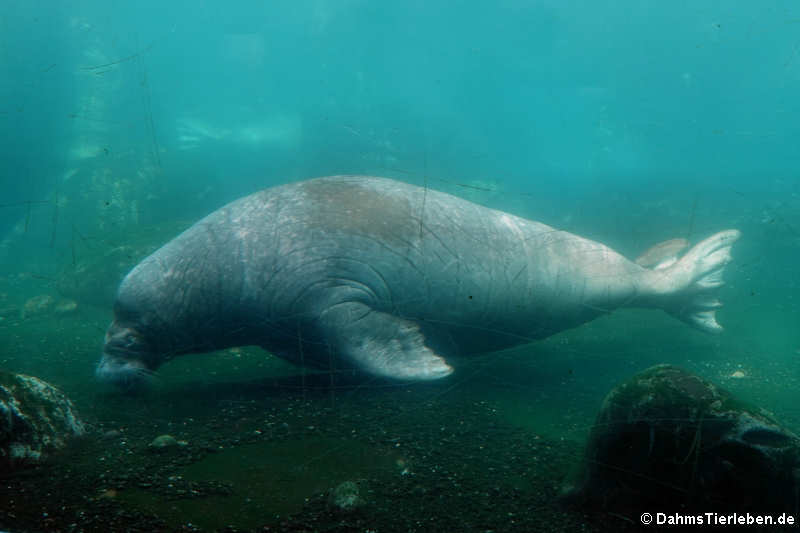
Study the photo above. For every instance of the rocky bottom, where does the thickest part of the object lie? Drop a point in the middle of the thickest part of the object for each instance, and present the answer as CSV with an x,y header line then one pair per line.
x,y
305,453
256,457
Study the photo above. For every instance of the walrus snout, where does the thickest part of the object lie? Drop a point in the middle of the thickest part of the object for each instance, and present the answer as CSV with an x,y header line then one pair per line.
x,y
123,362
124,373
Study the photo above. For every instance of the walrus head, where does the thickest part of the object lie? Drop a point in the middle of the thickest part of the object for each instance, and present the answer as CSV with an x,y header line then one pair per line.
x,y
127,360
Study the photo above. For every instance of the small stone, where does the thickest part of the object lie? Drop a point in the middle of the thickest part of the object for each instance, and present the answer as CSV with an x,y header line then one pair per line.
x,y
345,497
37,305
65,307
108,494
112,434
163,442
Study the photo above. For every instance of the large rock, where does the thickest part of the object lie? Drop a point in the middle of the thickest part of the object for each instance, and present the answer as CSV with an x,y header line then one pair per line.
x,y
667,440
36,419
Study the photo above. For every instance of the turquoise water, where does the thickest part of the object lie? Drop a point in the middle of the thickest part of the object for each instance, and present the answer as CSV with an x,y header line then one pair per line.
x,y
626,122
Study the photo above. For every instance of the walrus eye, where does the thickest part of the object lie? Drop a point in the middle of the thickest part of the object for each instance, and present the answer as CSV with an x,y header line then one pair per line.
x,y
122,341
132,340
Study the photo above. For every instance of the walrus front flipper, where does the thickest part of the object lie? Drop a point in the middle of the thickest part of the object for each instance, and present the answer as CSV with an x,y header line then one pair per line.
x,y
381,343
689,285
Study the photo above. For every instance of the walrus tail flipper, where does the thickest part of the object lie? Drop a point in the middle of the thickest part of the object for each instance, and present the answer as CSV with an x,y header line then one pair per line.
x,y
381,343
663,254
689,285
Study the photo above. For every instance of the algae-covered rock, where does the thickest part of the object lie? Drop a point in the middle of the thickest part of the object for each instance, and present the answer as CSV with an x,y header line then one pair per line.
x,y
36,419
670,440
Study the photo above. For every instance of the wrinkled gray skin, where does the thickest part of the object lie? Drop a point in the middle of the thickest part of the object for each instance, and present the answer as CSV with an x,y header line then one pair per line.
x,y
383,276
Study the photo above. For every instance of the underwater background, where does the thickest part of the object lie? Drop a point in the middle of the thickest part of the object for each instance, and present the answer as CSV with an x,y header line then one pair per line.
x,y
627,122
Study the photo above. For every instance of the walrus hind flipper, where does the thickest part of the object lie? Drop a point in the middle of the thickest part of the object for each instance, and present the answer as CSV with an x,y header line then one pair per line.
x,y
700,271
380,343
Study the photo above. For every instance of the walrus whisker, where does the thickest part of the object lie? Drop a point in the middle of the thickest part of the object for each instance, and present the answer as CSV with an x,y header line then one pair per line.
x,y
147,373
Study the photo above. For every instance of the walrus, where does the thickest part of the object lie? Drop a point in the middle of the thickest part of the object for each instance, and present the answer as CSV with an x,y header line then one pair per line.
x,y
385,277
